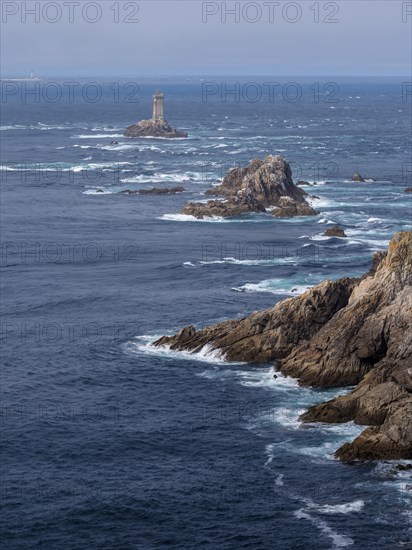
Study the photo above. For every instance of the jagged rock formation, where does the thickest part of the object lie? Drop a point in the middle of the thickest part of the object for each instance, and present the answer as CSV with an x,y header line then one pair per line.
x,y
153,128
357,177
271,334
260,185
347,332
335,231
408,189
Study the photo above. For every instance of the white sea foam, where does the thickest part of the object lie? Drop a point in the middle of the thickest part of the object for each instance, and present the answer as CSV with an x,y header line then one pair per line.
x,y
333,509
38,126
279,480
322,202
144,345
118,147
270,285
347,429
209,219
98,191
96,136
157,177
185,218
264,378
106,129
165,138
235,261
16,127
66,167
338,540
288,417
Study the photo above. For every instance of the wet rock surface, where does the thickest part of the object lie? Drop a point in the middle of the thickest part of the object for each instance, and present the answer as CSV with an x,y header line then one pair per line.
x,y
153,128
262,184
335,231
350,332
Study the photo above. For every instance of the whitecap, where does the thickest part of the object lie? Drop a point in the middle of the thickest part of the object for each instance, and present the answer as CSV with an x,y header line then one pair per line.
x,y
96,136
9,127
236,261
274,286
97,192
157,177
332,509
144,345
179,218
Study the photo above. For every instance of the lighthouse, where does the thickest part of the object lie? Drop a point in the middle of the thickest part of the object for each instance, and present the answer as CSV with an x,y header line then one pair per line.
x,y
156,126
158,109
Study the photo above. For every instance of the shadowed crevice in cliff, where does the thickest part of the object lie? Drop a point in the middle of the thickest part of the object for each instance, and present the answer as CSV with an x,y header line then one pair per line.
x,y
342,333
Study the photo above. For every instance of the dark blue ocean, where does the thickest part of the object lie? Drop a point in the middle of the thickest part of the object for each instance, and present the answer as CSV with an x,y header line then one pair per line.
x,y
110,443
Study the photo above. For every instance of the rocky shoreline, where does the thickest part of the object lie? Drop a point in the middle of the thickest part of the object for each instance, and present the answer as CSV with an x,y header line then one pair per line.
x,y
263,184
350,332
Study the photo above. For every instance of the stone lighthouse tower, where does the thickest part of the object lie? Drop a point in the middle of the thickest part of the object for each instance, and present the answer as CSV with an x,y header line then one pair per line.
x,y
158,109
156,126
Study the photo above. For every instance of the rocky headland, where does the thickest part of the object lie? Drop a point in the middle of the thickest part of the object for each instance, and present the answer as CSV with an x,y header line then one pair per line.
x,y
350,332
263,184
153,128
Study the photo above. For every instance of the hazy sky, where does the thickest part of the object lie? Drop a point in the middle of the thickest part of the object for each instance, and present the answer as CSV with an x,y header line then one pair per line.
x,y
187,37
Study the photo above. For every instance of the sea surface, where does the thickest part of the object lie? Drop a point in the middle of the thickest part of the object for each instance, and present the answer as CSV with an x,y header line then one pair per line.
x,y
110,443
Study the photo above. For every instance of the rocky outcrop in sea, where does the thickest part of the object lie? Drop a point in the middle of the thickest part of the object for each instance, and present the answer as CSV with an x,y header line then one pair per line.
x,y
335,231
153,128
263,184
357,177
153,191
350,332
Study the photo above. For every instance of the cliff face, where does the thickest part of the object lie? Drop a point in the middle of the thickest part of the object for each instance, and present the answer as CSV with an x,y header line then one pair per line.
x,y
261,184
347,332
376,332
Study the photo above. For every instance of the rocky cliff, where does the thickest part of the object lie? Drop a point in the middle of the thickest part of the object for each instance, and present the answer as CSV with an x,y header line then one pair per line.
x,y
342,333
260,185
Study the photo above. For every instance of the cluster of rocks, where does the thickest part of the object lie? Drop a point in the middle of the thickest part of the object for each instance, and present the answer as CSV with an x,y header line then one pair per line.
x,y
408,189
354,331
153,128
263,184
153,191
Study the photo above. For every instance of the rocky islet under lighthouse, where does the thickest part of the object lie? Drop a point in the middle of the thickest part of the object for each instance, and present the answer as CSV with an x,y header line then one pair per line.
x,y
157,126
